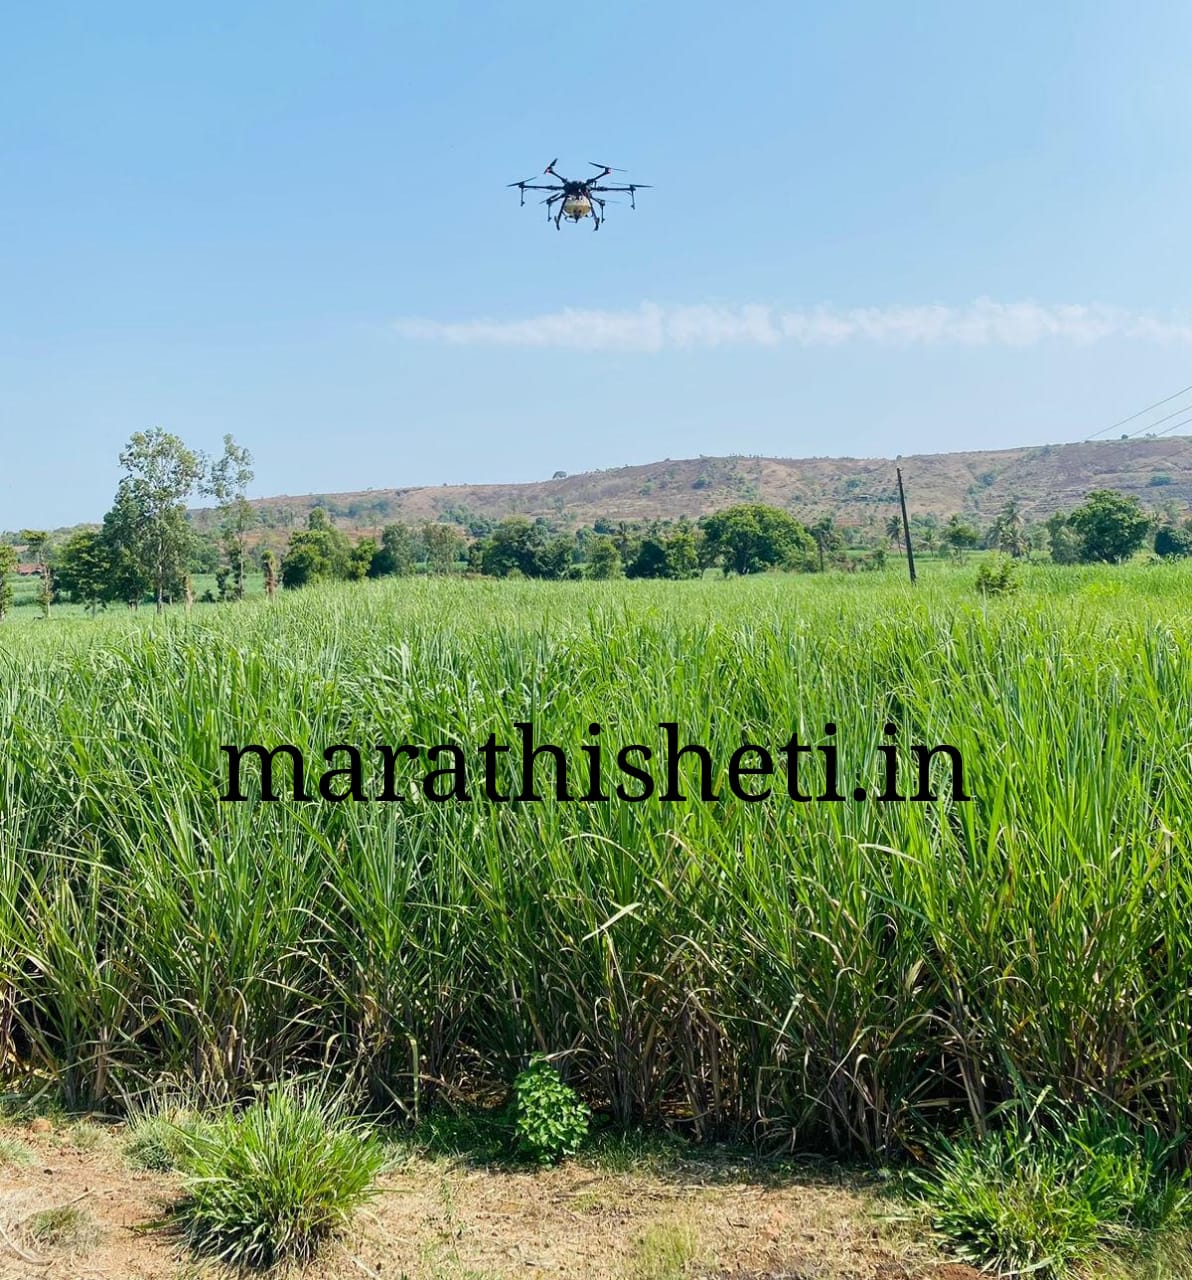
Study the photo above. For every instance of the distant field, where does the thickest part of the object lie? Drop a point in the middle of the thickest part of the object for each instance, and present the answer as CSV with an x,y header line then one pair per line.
x,y
25,606
841,973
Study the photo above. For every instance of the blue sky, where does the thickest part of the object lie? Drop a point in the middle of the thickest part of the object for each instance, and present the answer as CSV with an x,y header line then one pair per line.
x,y
875,229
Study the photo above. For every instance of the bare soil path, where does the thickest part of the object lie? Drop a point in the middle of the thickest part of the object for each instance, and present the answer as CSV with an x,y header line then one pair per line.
x,y
438,1219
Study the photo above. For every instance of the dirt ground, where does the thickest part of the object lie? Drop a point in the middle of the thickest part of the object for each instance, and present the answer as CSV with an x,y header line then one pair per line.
x,y
439,1219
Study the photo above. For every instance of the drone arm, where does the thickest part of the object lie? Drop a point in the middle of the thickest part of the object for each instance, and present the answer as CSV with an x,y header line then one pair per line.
x,y
631,188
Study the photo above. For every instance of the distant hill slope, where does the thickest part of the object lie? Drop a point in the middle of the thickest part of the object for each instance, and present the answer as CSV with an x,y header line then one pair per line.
x,y
858,491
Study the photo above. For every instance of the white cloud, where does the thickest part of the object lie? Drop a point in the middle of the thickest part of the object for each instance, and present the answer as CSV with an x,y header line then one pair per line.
x,y
653,327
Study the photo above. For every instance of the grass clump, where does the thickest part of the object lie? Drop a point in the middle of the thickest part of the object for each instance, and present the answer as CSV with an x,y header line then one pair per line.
x,y
550,1121
63,1227
665,1251
157,1140
1060,1198
270,1184
13,1154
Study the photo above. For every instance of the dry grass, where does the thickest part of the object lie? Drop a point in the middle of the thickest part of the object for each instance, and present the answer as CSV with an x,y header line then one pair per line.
x,y
85,1211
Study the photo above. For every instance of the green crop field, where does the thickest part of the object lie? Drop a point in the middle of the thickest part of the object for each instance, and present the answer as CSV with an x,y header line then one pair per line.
x,y
839,974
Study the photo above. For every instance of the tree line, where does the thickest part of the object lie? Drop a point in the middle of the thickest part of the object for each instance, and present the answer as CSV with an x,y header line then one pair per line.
x,y
147,549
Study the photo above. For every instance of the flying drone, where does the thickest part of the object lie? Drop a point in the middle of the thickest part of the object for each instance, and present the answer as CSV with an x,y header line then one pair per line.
x,y
577,199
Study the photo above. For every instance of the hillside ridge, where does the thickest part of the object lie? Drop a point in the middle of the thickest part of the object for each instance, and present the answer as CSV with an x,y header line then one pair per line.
x,y
858,491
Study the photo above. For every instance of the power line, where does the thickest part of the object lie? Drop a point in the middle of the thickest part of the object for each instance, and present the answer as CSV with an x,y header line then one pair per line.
x,y
1143,430
1131,418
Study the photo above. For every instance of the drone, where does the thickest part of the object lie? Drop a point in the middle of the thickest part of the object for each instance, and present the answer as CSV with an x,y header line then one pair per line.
x,y
577,199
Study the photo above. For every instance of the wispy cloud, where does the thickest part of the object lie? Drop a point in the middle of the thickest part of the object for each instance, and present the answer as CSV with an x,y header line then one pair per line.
x,y
655,327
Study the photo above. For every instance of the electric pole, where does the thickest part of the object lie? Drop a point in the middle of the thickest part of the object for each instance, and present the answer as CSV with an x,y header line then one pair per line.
x,y
906,527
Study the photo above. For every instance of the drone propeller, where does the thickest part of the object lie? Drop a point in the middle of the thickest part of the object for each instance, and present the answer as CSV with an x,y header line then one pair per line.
x,y
608,168
521,183
550,167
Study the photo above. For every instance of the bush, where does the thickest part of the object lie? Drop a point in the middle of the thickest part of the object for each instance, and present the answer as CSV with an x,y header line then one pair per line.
x,y
269,1185
158,1138
550,1121
1057,1199
997,577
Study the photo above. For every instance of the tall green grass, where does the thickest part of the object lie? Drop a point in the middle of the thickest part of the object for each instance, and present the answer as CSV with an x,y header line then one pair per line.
x,y
831,974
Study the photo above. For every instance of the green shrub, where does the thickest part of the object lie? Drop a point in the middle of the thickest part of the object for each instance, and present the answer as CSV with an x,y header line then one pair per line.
x,y
997,577
158,1139
270,1184
14,1153
550,1121
1056,1199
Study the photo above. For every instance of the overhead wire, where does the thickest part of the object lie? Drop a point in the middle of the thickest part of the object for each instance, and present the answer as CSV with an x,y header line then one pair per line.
x,y
1148,428
1158,404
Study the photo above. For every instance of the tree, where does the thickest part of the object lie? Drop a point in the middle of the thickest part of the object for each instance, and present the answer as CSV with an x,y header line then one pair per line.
x,y
650,560
1008,532
1110,526
128,578
83,569
555,559
515,543
360,558
751,537
36,542
1062,540
227,482
959,536
397,554
1174,541
894,531
318,553
307,560
604,560
161,474
444,544
8,565
682,553
661,554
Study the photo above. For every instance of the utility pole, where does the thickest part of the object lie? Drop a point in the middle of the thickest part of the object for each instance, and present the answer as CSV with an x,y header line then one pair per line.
x,y
906,527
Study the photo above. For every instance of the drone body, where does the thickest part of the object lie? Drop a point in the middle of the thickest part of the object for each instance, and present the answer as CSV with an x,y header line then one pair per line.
x,y
576,199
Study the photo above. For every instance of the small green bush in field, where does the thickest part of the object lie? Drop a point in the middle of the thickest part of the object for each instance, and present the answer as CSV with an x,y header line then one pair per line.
x,y
269,1185
1056,1199
550,1121
997,577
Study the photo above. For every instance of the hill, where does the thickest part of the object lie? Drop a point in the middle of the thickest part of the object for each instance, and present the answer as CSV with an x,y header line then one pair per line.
x,y
857,491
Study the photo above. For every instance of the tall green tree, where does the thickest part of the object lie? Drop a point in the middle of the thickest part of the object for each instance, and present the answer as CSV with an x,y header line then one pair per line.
x,y
1111,526
1009,533
83,569
227,481
318,553
161,474
1174,541
960,536
894,530
8,566
751,537
122,537
604,560
397,554
1063,542
514,544
444,545
36,547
